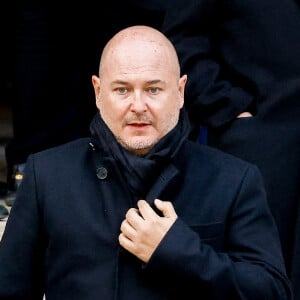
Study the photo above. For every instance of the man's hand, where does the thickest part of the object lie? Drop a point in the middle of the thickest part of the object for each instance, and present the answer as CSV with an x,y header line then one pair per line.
x,y
143,229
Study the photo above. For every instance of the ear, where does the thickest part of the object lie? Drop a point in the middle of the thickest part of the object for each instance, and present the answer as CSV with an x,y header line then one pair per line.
x,y
96,85
181,87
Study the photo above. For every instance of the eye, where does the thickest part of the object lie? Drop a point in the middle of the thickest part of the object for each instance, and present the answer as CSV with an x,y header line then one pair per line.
x,y
153,90
122,90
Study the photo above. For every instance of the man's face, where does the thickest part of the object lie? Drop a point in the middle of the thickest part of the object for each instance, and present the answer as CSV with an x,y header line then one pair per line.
x,y
139,95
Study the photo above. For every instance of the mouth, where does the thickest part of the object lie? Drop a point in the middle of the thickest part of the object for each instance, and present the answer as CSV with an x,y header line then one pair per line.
x,y
138,125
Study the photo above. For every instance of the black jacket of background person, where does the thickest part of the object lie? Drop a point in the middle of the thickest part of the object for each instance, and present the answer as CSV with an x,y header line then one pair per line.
x,y
241,56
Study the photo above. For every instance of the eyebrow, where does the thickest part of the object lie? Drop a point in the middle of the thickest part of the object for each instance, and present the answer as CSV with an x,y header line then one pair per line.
x,y
155,81
119,82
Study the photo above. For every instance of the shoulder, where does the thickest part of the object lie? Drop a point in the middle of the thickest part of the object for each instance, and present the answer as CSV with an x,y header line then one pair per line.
x,y
62,153
215,162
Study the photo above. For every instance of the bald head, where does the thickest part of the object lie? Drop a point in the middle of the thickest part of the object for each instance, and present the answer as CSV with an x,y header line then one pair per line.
x,y
139,44
139,91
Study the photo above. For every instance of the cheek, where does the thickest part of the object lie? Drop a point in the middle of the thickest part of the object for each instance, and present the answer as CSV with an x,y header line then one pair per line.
x,y
174,106
112,114
106,111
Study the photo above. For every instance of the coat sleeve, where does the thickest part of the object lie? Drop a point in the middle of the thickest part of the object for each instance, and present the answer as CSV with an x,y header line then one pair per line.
x,y
249,264
21,251
212,98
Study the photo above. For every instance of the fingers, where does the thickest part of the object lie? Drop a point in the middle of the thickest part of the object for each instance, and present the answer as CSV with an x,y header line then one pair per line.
x,y
125,242
133,217
244,114
146,210
128,230
166,208
137,218
148,213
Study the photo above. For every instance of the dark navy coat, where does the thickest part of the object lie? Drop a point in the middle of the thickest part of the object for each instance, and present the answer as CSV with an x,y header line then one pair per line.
x,y
62,233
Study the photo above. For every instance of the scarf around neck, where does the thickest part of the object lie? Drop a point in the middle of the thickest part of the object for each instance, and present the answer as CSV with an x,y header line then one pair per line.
x,y
140,172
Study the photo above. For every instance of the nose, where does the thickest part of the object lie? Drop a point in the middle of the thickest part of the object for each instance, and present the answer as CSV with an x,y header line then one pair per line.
x,y
138,103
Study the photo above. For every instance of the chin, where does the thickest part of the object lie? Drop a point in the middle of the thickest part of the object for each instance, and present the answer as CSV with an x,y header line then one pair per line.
x,y
139,146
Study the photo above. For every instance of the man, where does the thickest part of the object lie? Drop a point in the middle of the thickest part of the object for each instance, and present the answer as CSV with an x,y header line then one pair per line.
x,y
243,62
138,211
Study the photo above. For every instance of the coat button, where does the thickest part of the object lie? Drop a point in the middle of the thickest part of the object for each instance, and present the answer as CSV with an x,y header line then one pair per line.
x,y
101,173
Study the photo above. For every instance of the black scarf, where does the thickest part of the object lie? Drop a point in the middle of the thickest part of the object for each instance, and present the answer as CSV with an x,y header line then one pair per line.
x,y
140,171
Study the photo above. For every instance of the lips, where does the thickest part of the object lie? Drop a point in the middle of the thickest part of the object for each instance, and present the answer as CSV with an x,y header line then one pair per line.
x,y
138,124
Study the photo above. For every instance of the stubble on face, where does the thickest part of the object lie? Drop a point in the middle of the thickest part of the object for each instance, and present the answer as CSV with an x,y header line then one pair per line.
x,y
142,144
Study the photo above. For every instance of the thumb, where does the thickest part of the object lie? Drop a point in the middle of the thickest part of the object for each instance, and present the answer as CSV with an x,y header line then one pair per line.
x,y
167,208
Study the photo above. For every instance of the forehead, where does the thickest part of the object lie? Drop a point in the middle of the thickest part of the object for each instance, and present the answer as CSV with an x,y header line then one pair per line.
x,y
138,56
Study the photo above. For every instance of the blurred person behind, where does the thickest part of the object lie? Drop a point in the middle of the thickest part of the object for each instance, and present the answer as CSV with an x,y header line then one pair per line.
x,y
243,62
